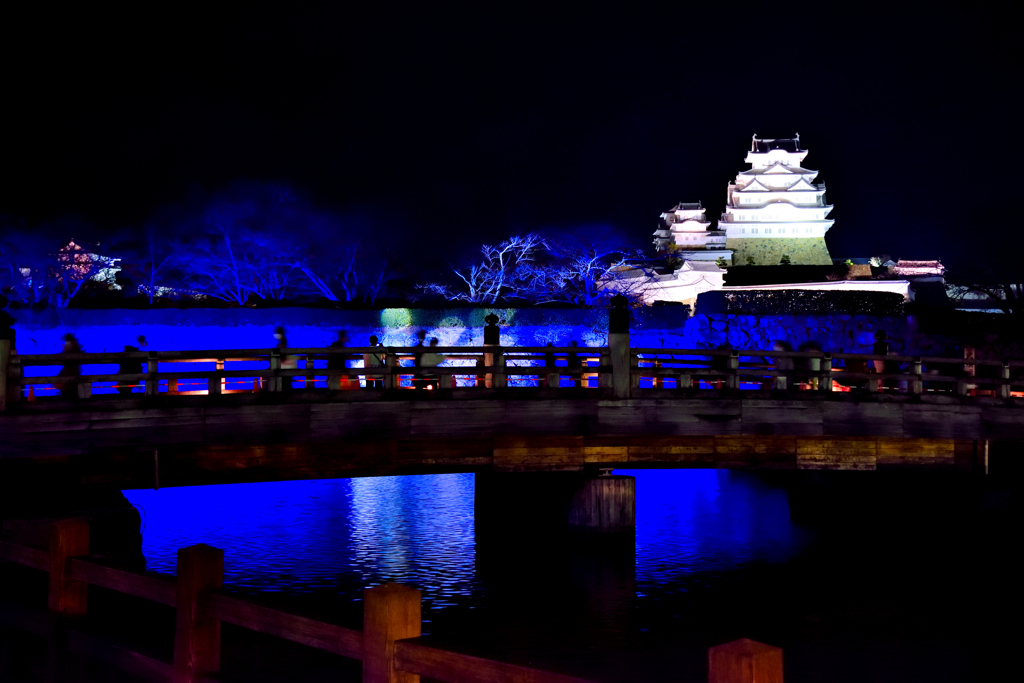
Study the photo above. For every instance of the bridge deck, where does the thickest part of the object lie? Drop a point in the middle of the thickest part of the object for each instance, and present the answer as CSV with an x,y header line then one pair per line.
x,y
249,437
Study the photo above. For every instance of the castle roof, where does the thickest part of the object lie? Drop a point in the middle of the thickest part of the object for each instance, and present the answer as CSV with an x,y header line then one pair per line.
x,y
765,145
687,206
774,169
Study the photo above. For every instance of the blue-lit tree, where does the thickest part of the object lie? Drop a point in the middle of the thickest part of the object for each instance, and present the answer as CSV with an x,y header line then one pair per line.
x,y
507,270
38,267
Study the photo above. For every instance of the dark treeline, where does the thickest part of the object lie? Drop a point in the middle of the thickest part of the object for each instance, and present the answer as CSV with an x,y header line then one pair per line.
x,y
264,245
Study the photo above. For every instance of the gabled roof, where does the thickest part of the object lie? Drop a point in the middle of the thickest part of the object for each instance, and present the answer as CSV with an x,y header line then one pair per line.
x,y
754,186
802,184
687,206
795,170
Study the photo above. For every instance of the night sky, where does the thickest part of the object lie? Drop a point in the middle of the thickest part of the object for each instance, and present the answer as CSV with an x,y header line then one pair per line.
x,y
441,130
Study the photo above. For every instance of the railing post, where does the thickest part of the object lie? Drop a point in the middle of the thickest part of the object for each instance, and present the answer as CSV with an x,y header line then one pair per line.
x,y
215,385
553,378
152,381
634,372
618,347
68,538
275,383
916,385
390,612
733,380
1004,389
744,661
392,380
15,386
825,381
68,598
604,379
500,369
84,387
5,359
197,631
309,381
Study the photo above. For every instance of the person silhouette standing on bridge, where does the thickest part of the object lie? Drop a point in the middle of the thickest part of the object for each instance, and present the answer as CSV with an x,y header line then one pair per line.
x,y
574,365
784,366
430,359
374,360
69,389
336,361
124,387
288,362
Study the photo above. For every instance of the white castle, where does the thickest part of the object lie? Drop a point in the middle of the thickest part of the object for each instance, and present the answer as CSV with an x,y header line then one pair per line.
x,y
773,211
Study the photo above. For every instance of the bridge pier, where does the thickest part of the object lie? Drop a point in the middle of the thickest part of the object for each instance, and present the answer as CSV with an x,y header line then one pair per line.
x,y
541,504
566,537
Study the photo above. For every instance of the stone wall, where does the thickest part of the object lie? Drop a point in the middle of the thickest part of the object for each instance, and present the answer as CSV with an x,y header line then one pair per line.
x,y
657,327
768,251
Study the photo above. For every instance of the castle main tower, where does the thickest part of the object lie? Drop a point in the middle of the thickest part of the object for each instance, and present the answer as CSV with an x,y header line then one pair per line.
x,y
776,209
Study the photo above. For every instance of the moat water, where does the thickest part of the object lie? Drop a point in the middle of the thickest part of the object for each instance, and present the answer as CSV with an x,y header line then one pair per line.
x,y
903,579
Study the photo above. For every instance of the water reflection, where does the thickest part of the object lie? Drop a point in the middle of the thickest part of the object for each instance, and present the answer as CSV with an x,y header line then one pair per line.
x,y
345,534
304,536
708,520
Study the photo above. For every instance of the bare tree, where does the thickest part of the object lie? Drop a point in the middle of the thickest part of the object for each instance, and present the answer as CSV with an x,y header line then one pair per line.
x,y
503,271
36,270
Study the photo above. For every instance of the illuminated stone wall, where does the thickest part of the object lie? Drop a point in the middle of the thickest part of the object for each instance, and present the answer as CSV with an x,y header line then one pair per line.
x,y
804,251
658,327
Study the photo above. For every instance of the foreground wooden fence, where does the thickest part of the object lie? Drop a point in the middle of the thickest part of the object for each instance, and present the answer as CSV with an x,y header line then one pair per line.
x,y
620,370
386,646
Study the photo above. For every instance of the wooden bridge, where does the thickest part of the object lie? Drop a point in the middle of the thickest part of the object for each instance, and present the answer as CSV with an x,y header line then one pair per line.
x,y
220,416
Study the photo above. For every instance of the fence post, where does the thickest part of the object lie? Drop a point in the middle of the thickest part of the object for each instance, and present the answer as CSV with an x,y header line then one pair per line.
x,y
604,379
6,351
84,388
500,369
67,598
1004,389
733,380
553,379
390,612
68,538
216,384
197,632
825,381
745,661
392,380
5,356
152,367
916,385
275,366
15,387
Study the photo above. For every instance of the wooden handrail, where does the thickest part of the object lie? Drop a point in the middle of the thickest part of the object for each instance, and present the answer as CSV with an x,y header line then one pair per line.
x,y
446,665
508,362
317,634
29,557
410,656
157,589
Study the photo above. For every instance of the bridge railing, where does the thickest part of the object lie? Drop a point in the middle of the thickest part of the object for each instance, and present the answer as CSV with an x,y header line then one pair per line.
x,y
141,374
387,646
